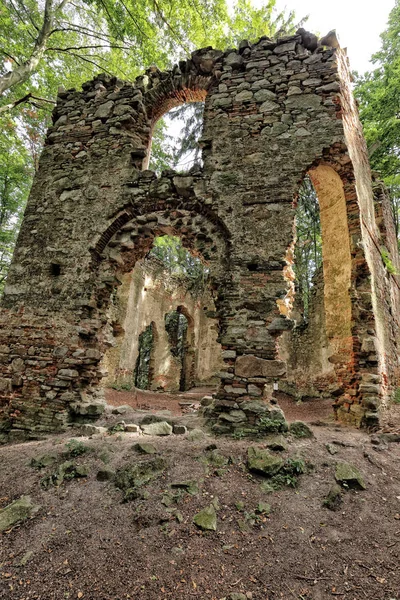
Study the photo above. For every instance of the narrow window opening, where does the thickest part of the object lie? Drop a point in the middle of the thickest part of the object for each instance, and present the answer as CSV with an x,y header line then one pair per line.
x,y
308,248
55,269
175,139
176,325
143,370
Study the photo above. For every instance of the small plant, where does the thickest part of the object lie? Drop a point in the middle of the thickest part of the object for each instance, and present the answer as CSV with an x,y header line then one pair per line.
x,y
117,428
390,268
295,466
239,434
269,425
122,387
76,448
396,396
287,476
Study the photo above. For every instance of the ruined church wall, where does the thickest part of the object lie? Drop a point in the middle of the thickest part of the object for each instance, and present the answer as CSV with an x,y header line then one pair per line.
x,y
306,349
273,111
377,351
146,298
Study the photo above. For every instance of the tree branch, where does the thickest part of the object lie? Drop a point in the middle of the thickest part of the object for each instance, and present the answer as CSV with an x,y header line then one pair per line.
x,y
26,98
85,48
92,62
9,56
174,33
24,71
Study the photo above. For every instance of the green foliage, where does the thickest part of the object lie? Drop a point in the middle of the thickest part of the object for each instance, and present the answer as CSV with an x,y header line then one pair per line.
x,y
122,387
76,448
15,173
308,248
182,151
390,268
239,434
177,262
287,476
396,396
250,22
378,94
117,428
268,425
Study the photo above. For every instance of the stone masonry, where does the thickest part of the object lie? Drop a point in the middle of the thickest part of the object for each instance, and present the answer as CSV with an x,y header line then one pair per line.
x,y
274,111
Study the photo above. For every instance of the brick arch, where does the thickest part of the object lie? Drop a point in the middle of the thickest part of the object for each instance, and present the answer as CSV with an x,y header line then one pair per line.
x,y
130,213
341,290
187,82
130,237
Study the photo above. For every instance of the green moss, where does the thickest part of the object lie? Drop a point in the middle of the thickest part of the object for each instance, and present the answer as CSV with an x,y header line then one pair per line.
x,y
390,268
396,396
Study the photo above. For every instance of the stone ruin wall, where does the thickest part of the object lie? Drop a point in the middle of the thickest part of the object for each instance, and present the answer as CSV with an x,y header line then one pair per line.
x,y
145,297
306,350
274,111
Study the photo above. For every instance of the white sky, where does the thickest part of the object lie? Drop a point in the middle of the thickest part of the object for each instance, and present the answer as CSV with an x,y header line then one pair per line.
x,y
358,24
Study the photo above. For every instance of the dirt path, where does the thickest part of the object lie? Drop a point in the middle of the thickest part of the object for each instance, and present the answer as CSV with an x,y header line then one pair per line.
x,y
84,543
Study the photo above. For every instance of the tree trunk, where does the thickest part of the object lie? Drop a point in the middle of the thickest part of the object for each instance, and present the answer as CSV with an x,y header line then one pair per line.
x,y
23,72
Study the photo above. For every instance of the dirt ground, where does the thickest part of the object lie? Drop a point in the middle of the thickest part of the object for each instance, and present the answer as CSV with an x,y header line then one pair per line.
x,y
153,401
85,543
311,410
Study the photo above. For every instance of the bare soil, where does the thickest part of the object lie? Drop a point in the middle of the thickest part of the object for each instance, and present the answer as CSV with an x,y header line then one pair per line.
x,y
153,401
85,543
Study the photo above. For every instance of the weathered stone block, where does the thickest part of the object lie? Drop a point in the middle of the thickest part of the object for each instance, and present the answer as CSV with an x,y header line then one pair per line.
x,y
252,366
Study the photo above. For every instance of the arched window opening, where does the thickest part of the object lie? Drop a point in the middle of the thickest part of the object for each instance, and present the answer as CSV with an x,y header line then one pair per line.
x,y
308,248
155,352
143,369
176,326
175,139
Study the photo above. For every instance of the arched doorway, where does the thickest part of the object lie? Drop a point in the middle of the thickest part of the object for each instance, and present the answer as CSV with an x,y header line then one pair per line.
x,y
151,302
319,349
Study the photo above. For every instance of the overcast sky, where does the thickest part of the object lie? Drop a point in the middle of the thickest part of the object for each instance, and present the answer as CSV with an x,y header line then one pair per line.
x,y
358,23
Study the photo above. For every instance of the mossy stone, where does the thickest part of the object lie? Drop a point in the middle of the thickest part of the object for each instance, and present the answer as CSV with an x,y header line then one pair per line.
x,y
263,462
277,443
300,430
347,475
158,428
18,511
206,519
43,461
333,499
145,448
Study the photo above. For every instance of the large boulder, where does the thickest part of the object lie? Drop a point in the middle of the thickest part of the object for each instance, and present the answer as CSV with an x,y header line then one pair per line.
x,y
300,430
347,475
